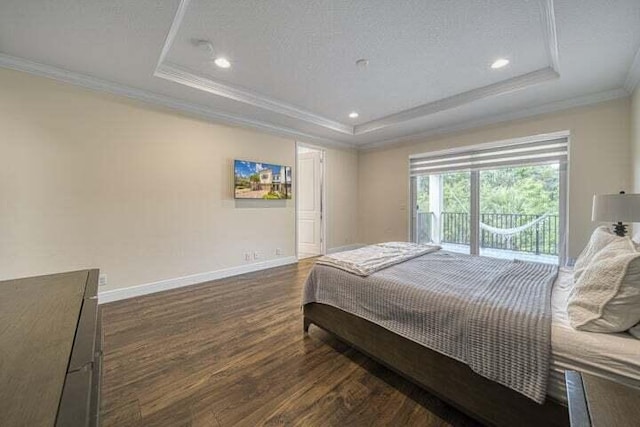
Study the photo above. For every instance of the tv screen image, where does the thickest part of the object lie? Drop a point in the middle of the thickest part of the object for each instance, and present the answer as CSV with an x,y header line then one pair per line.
x,y
255,180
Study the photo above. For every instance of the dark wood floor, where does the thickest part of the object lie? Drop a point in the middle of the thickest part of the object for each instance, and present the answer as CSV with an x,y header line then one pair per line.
x,y
232,352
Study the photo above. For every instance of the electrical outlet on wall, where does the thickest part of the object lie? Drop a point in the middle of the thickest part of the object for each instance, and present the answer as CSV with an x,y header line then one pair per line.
x,y
278,251
256,255
102,280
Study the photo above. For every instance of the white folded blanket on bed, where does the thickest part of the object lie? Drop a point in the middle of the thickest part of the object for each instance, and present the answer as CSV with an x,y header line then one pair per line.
x,y
369,259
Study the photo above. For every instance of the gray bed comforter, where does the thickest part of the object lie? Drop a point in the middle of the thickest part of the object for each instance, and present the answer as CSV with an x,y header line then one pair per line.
x,y
494,315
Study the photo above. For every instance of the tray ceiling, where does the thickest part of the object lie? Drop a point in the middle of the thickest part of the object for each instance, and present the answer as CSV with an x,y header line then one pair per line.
x,y
299,58
293,63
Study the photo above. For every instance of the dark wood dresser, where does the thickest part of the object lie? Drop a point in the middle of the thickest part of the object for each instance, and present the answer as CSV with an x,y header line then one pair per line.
x,y
50,350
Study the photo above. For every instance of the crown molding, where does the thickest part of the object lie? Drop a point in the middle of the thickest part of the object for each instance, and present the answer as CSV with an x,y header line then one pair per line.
x,y
100,85
633,76
175,74
551,72
580,101
549,28
165,70
499,88
207,113
173,30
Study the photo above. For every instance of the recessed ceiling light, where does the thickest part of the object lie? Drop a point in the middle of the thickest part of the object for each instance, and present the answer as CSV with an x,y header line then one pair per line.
x,y
222,62
353,115
499,63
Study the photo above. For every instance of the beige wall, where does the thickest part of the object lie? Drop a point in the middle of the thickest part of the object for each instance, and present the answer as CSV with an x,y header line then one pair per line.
x,y
635,142
90,180
599,163
635,149
342,197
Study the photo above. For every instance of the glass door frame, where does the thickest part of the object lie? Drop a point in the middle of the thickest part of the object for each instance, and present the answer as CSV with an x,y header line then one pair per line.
x,y
474,210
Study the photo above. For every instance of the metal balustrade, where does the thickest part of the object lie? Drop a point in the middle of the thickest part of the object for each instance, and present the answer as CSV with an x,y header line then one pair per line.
x,y
540,239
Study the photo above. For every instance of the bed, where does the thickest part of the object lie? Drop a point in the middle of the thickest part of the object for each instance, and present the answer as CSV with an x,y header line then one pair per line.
x,y
613,356
450,378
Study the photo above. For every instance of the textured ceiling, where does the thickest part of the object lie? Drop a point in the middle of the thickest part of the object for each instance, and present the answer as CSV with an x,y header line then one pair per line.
x,y
304,53
293,62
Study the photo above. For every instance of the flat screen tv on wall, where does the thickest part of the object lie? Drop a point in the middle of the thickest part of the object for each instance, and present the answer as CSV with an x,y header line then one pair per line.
x,y
255,180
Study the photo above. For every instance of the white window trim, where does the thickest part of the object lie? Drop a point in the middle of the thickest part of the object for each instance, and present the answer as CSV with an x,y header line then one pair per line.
x,y
563,182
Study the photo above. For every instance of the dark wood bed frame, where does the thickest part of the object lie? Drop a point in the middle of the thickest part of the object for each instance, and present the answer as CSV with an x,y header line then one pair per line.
x,y
450,380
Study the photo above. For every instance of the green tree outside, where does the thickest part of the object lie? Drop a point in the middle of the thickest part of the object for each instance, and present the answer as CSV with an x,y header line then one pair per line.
x,y
526,191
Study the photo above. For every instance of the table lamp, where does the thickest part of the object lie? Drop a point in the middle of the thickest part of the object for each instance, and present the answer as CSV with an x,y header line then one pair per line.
x,y
618,208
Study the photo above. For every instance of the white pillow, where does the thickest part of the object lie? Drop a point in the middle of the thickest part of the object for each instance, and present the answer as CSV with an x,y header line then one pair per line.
x,y
606,297
600,238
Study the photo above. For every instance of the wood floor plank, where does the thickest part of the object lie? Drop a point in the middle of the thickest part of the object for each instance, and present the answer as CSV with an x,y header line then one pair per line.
x,y
231,353
122,414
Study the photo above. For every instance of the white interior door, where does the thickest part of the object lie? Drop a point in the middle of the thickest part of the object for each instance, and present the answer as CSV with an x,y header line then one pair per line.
x,y
309,204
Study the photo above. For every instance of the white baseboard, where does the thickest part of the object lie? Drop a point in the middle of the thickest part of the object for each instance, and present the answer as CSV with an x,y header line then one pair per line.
x,y
345,248
179,282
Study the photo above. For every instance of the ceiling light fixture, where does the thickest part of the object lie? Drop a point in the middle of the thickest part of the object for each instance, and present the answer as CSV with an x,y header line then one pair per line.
x,y
353,115
222,62
202,44
499,63
362,63
207,46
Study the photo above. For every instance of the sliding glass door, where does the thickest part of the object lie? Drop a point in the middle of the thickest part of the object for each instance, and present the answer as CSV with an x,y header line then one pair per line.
x,y
513,211
443,210
520,212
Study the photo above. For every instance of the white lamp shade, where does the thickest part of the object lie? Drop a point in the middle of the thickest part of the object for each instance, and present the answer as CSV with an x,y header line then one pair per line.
x,y
616,207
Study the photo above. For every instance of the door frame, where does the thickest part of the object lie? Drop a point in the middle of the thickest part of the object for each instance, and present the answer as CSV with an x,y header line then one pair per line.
x,y
474,202
323,196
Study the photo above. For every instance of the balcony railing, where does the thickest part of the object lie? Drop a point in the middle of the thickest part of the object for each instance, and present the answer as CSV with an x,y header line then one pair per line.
x,y
539,239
